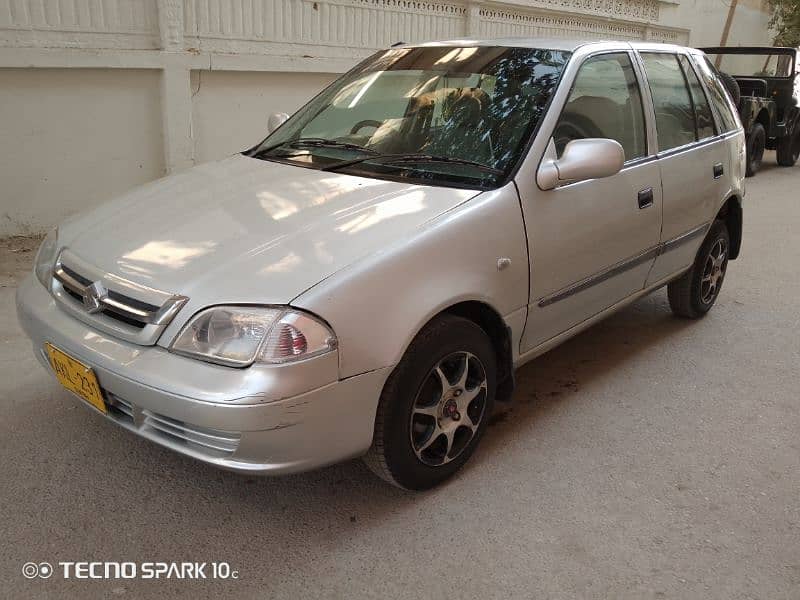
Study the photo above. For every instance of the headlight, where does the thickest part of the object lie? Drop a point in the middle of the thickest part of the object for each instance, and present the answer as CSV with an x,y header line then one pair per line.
x,y
238,336
46,258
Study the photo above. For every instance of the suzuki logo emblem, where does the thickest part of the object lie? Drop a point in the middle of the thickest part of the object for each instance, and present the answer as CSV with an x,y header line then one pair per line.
x,y
93,297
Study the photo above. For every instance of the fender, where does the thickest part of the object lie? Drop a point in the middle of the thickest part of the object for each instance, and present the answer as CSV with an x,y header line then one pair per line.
x,y
377,305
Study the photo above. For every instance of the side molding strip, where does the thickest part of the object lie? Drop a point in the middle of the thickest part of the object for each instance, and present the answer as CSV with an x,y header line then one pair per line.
x,y
684,238
626,265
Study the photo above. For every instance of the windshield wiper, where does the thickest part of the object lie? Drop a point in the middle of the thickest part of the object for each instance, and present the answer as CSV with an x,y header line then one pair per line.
x,y
315,142
414,158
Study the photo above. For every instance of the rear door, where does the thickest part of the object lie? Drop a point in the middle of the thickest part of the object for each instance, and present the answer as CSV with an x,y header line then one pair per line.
x,y
692,157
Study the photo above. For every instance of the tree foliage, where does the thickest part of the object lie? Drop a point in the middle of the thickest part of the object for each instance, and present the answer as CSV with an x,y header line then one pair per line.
x,y
785,22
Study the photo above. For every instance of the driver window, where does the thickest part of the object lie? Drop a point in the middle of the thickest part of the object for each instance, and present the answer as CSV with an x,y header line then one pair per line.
x,y
605,102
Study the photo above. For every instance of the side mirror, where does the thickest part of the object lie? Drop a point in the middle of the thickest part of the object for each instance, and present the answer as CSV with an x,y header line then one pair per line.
x,y
589,158
275,121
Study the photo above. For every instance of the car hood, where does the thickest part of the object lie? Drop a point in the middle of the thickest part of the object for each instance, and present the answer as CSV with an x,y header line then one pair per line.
x,y
246,230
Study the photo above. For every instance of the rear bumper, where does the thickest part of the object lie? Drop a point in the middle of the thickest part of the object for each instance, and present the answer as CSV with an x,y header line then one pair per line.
x,y
264,419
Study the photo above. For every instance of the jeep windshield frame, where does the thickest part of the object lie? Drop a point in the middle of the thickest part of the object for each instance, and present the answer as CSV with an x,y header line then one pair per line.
x,y
731,60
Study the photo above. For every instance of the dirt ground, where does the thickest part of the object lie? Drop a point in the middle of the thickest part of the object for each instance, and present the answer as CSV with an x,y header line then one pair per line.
x,y
649,457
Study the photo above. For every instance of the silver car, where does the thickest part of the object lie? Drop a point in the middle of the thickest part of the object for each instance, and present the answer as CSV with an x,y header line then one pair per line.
x,y
365,281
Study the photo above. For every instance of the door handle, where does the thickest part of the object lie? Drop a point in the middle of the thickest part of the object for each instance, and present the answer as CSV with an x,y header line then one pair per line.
x,y
718,170
645,197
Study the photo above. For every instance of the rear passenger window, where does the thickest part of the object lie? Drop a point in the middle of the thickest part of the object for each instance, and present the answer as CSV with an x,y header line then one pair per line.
x,y
702,111
673,105
718,96
605,102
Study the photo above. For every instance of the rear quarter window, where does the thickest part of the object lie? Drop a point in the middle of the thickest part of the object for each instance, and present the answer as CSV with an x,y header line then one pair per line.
x,y
702,110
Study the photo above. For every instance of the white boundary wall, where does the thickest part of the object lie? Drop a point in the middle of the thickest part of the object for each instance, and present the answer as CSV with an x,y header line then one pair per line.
x,y
97,96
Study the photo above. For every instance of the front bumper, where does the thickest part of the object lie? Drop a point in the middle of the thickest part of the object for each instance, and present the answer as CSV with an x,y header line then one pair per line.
x,y
264,419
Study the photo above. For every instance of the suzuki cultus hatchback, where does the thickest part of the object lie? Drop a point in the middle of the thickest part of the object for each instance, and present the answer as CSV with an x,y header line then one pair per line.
x,y
365,281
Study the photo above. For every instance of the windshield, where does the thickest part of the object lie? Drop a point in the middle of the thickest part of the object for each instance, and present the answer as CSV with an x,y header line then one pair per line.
x,y
753,65
441,115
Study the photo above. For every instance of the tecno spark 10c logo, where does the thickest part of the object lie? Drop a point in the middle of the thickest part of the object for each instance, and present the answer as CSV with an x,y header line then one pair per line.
x,y
131,570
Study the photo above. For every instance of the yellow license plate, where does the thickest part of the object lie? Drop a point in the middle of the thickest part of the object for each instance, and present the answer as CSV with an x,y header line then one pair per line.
x,y
76,377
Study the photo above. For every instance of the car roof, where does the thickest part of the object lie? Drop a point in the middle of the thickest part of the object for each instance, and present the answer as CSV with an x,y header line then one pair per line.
x,y
567,44
749,50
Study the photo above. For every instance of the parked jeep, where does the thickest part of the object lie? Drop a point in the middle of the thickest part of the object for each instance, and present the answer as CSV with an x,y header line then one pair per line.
x,y
762,83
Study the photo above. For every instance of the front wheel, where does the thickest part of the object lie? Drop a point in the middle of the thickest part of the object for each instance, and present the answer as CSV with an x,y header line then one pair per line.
x,y
435,405
695,292
756,142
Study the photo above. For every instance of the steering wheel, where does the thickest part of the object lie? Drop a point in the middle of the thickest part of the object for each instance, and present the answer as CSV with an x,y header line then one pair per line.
x,y
365,123
573,127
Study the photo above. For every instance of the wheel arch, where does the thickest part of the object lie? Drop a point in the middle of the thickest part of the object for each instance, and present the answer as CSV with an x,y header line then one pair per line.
x,y
731,214
499,334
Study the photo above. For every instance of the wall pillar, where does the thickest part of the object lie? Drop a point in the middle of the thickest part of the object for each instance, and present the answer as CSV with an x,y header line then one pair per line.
x,y
176,97
176,116
170,24
473,24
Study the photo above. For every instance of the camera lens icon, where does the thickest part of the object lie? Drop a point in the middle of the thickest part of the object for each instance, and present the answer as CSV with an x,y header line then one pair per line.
x,y
31,570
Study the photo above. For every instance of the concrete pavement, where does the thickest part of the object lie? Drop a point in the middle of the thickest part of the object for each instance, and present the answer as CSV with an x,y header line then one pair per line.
x,y
650,457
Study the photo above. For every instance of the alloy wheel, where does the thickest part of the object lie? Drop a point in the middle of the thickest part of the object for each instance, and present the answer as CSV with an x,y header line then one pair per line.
x,y
714,271
448,408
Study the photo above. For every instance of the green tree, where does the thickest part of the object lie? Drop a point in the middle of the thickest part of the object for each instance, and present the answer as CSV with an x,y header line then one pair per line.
x,y
785,22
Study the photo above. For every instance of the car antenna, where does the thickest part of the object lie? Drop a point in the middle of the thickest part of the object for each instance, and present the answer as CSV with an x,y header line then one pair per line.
x,y
397,44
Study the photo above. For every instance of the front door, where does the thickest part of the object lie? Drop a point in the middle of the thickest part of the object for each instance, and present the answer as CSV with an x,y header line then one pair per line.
x,y
592,243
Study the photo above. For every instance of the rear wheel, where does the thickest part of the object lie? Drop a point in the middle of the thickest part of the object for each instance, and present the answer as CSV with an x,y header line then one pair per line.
x,y
695,292
756,142
788,150
435,405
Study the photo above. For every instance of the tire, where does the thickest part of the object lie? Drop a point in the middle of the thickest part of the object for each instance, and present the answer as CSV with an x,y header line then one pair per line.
x,y
732,86
691,295
756,143
423,432
788,149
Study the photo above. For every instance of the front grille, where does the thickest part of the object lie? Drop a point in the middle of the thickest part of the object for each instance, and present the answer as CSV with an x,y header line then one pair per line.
x,y
133,308
110,312
204,439
126,309
115,305
77,276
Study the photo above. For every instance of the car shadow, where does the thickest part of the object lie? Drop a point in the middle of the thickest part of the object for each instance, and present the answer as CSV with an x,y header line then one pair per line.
x,y
569,372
